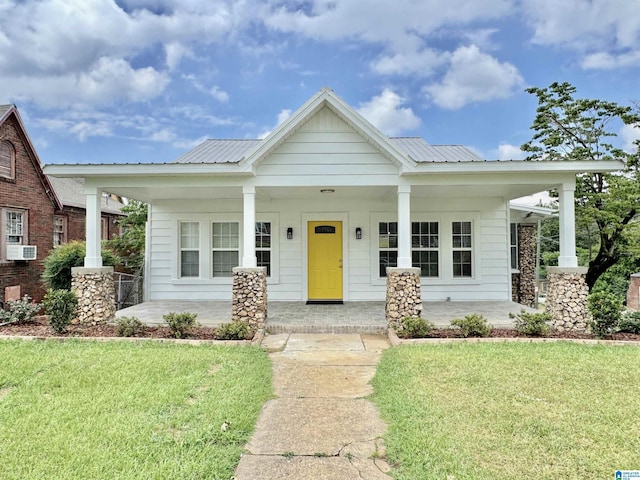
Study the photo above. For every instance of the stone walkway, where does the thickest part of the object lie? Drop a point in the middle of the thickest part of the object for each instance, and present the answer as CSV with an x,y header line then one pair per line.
x,y
320,426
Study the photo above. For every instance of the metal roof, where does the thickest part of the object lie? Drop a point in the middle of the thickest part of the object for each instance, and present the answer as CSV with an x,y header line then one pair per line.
x,y
219,151
70,192
232,151
420,151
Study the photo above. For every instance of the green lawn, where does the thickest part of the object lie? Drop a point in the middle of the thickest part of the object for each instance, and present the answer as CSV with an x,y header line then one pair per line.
x,y
84,410
507,411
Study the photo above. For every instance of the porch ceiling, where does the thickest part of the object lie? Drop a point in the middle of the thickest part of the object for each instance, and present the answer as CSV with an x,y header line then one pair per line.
x,y
152,193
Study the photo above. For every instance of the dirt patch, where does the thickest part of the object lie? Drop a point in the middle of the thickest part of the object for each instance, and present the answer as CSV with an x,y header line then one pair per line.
x,y
4,391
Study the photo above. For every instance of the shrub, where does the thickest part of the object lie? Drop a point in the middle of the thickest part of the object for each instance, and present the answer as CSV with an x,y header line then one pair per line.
x,y
473,325
235,330
531,323
414,327
129,326
19,311
606,311
60,307
180,323
630,323
57,266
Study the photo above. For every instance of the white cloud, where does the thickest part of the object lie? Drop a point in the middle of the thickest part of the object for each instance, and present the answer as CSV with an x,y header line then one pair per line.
x,y
219,94
506,151
283,115
474,76
385,112
175,52
605,32
630,134
422,63
81,129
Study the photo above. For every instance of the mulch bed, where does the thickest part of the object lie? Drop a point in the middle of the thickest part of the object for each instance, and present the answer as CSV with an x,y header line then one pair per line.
x,y
40,328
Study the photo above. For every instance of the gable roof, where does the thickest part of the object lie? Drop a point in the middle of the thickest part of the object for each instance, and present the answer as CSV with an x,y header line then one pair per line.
x,y
326,98
70,191
8,111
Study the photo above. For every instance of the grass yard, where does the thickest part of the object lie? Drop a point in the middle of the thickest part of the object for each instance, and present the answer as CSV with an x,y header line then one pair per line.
x,y
85,410
506,411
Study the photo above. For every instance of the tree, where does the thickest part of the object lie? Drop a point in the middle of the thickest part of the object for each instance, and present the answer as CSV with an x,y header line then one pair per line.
x,y
129,246
573,129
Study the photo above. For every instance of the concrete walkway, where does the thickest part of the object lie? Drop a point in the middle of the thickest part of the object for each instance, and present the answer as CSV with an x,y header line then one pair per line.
x,y
320,426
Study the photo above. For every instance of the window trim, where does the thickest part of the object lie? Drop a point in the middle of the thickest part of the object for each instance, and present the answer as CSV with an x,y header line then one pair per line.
x,y
11,177
470,249
180,249
514,247
3,230
213,249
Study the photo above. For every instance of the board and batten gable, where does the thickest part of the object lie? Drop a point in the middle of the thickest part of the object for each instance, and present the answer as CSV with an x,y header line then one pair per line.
x,y
361,278
326,146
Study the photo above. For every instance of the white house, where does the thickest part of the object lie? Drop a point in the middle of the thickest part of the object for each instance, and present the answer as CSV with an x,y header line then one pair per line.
x,y
326,203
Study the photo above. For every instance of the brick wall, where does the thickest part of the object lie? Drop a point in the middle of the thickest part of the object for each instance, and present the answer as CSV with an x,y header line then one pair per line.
x,y
26,192
76,220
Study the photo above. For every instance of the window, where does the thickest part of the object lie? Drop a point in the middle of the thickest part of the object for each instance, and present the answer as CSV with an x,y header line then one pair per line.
x,y
7,160
225,249
424,248
189,249
263,245
59,230
514,246
14,228
462,251
425,244
387,246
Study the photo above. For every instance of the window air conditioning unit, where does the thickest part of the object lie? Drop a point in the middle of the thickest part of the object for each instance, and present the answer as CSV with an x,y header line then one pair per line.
x,y
21,252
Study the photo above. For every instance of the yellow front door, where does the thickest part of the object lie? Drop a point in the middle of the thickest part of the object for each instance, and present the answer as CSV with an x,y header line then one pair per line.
x,y
325,261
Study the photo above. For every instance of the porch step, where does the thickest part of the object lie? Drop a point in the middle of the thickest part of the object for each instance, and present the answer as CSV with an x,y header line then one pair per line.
x,y
276,327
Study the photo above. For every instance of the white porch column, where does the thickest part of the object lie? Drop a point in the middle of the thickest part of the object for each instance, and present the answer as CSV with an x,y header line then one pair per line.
x,y
568,256
249,221
93,225
404,226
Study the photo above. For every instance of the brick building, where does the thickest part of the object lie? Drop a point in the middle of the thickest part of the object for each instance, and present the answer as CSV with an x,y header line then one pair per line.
x,y
35,210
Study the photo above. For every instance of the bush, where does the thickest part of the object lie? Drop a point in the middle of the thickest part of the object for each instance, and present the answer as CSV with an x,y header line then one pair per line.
x,y
630,323
235,330
129,326
414,327
57,266
531,323
19,311
60,307
180,323
473,325
606,311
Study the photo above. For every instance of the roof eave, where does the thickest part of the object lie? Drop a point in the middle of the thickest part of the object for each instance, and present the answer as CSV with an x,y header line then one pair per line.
x,y
517,166
146,169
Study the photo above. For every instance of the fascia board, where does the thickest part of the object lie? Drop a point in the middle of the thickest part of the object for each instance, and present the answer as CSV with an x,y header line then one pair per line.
x,y
146,169
486,167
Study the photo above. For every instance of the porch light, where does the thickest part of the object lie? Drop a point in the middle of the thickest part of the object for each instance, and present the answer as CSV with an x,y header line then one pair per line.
x,y
358,233
289,233
327,190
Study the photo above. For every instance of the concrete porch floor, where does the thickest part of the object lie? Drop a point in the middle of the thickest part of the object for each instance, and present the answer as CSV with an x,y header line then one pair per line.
x,y
297,317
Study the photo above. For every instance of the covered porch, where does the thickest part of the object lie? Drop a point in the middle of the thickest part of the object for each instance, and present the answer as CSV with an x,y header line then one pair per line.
x,y
351,317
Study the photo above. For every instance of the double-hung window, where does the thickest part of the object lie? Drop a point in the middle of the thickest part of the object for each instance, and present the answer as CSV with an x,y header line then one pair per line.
x,y
14,229
514,246
425,243
462,252
225,248
387,246
59,230
263,245
189,249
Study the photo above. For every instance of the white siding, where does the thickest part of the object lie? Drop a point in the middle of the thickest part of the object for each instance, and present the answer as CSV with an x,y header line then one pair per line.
x,y
491,247
326,145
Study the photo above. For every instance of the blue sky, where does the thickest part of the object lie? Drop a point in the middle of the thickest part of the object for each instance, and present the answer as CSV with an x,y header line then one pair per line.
x,y
114,81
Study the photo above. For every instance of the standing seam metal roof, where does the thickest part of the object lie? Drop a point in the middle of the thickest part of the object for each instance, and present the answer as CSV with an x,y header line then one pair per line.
x,y
232,151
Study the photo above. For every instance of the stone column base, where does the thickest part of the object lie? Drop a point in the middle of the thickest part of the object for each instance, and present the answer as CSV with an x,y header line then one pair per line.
x,y
403,295
96,294
249,296
567,298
